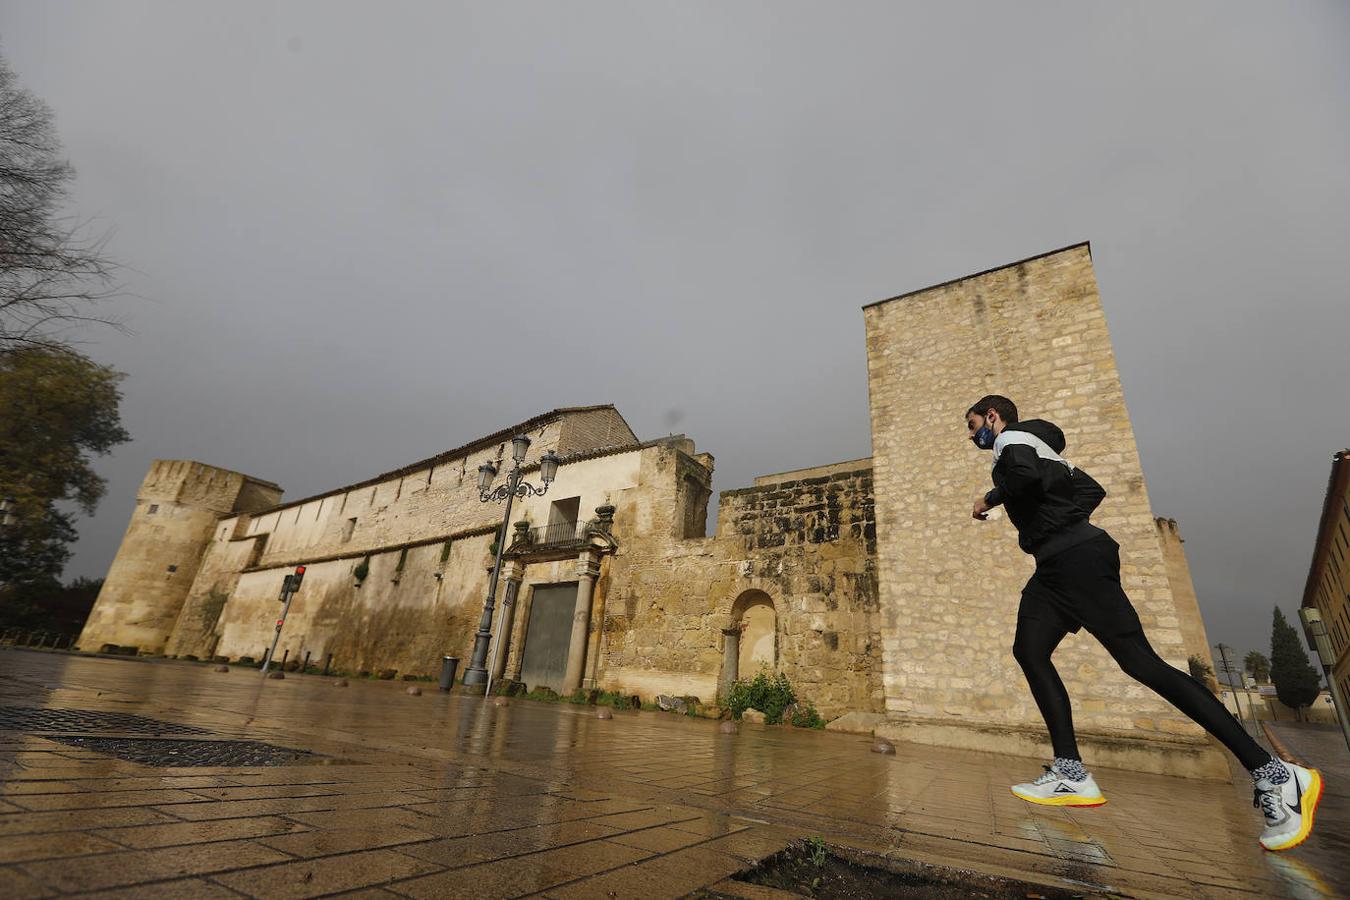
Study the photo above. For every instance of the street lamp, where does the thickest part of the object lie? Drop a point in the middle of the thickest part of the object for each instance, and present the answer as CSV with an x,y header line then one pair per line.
x,y
476,675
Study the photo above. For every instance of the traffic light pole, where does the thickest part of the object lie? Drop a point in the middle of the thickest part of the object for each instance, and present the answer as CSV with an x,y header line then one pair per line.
x,y
289,585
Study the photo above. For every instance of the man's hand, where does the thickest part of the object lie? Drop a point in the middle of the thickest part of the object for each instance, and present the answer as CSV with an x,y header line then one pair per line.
x,y
981,510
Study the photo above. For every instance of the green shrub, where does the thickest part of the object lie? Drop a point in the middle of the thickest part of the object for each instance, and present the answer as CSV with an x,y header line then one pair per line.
x,y
362,569
770,694
806,717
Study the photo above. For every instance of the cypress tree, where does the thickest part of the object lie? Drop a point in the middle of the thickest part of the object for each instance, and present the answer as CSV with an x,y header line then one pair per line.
x,y
1296,681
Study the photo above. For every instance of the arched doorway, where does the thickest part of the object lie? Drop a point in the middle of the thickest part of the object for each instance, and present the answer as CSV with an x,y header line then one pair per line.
x,y
753,613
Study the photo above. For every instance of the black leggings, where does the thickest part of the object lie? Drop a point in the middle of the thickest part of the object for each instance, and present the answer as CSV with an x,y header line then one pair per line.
x,y
1036,641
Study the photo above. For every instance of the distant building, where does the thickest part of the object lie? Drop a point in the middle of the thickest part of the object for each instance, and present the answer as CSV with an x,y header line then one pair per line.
x,y
1328,587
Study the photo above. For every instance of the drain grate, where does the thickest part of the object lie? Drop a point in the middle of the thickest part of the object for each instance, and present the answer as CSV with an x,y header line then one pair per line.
x,y
163,753
33,719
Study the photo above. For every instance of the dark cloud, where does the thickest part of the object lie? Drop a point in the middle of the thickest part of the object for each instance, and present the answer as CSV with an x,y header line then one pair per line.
x,y
366,233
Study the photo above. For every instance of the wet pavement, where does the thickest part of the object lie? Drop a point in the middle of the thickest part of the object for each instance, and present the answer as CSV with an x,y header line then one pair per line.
x,y
448,796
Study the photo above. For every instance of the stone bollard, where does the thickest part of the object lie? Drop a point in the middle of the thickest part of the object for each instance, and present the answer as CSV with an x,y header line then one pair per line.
x,y
500,701
221,669
728,727
414,691
341,682
603,714
881,745
278,675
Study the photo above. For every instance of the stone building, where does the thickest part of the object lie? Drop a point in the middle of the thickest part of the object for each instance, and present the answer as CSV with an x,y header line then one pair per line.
x,y
1328,585
398,565
865,582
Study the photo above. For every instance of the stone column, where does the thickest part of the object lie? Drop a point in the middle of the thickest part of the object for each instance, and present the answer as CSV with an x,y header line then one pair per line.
x,y
731,658
514,574
588,569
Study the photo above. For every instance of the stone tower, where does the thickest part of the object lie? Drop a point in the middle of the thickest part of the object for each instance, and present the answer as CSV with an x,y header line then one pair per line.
x,y
177,508
1193,634
1034,331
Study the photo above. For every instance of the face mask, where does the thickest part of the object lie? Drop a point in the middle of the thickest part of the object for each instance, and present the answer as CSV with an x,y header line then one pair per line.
x,y
983,437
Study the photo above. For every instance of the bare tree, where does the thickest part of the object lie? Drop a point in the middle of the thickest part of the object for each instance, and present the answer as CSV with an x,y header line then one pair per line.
x,y
54,276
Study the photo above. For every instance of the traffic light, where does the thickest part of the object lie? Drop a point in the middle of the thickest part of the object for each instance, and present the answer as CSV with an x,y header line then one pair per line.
x,y
297,578
285,588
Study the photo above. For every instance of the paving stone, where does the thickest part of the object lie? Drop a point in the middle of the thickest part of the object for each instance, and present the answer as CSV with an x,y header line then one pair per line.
x,y
507,878
179,889
134,866
330,874
14,883
24,822
344,840
144,837
62,844
86,800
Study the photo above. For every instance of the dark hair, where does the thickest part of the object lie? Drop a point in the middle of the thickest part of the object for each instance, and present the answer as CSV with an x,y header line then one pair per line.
x,y
1006,409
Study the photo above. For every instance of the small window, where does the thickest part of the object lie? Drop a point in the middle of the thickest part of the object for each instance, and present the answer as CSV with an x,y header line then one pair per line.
x,y
154,508
348,529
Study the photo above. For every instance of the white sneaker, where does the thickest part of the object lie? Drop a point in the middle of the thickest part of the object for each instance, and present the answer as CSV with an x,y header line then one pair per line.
x,y
1053,789
1288,807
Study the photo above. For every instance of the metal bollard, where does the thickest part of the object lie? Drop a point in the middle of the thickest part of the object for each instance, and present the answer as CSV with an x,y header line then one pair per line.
x,y
448,666
326,663
304,669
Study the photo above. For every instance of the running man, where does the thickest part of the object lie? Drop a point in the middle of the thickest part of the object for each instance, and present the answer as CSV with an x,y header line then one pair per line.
x,y
1077,585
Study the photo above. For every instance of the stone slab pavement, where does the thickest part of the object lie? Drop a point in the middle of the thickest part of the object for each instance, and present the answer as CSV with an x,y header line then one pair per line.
x,y
449,796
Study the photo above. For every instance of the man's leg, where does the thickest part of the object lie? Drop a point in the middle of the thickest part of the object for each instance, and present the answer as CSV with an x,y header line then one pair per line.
x,y
1138,660
1066,782
1035,642
1286,794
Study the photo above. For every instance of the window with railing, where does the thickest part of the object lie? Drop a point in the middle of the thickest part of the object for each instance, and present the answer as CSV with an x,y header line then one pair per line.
x,y
556,533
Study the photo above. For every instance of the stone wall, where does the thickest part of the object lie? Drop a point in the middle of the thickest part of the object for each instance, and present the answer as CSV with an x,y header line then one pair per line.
x,y
808,545
401,616
1034,331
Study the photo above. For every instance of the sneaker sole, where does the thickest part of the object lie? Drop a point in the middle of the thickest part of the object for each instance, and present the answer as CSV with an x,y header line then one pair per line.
x,y
1061,801
1311,798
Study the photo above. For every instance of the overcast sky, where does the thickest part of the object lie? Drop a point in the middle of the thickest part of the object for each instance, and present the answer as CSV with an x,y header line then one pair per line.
x,y
365,233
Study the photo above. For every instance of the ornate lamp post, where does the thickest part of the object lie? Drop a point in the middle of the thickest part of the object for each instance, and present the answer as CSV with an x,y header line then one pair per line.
x,y
476,675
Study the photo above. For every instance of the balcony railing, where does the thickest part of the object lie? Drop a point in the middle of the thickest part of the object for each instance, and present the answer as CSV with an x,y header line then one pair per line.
x,y
559,533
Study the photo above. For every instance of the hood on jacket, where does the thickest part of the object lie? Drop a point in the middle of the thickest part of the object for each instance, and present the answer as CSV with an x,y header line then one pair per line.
x,y
1046,431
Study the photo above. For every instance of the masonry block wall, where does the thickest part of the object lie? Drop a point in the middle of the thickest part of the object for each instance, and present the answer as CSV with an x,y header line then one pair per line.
x,y
1034,331
177,509
807,544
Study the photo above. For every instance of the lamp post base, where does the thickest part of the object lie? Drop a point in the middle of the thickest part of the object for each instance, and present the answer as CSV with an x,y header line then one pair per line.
x,y
475,681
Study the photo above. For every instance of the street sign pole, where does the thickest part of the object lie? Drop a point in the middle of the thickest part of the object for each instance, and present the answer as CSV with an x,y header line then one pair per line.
x,y
289,585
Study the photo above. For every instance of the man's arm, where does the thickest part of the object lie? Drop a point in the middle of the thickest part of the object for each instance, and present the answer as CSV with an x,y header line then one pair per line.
x,y
1087,493
1021,474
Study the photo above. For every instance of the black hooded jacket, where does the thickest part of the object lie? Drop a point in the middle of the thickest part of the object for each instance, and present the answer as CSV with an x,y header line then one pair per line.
x,y
1047,499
